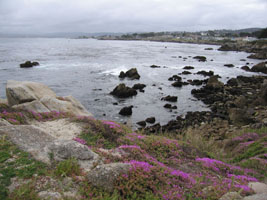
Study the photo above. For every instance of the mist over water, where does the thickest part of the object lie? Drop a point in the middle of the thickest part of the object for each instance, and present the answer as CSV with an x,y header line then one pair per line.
x,y
88,70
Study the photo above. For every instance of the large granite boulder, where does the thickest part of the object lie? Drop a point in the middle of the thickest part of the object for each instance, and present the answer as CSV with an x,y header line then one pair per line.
x,y
42,145
38,97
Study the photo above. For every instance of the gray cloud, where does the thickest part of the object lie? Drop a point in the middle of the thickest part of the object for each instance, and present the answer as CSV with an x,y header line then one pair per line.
x,y
42,16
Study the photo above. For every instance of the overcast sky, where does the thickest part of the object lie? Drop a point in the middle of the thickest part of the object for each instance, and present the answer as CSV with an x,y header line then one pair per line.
x,y
44,16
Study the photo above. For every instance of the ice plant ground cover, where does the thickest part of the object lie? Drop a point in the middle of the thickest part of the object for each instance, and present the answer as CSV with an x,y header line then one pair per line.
x,y
161,167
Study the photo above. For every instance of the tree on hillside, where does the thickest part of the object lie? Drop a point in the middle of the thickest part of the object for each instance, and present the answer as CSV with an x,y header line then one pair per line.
x,y
263,33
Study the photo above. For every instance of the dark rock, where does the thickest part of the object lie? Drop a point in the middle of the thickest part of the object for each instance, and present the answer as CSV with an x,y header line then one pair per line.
x,y
132,74
229,65
126,111
246,68
188,67
209,49
177,84
240,116
214,82
175,78
260,55
115,103
167,105
197,82
200,58
155,66
151,120
186,72
242,59
123,91
205,73
141,123
122,75
28,64
228,47
232,82
170,98
261,67
139,86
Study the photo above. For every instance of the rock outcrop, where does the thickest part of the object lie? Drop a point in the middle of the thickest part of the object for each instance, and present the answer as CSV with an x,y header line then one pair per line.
x,y
28,64
122,91
38,97
105,175
261,67
131,74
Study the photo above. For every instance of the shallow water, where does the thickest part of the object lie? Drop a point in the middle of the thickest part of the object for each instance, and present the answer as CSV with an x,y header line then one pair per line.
x,y
88,70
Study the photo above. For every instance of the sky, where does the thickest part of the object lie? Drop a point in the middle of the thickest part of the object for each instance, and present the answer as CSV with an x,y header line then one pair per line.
x,y
90,16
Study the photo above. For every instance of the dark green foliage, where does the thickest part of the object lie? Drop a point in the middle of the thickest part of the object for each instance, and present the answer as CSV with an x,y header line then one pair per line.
x,y
263,33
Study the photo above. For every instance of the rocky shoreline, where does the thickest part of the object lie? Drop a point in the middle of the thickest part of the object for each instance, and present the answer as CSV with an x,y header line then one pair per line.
x,y
71,155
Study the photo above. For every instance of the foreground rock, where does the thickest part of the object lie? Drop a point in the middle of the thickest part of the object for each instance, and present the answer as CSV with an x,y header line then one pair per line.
x,y
132,74
41,145
38,97
105,175
122,91
28,64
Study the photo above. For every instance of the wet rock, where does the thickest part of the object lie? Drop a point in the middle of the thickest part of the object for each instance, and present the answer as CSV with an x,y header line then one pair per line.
x,y
131,74
122,91
122,74
186,72
142,123
197,82
208,49
151,120
155,66
214,82
188,67
175,78
246,68
170,98
28,64
177,84
261,67
260,55
126,111
200,58
104,176
229,65
228,47
205,73
232,82
139,86
243,60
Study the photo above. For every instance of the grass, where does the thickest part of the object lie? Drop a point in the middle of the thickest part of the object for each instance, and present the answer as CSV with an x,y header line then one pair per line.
x,y
16,163
67,168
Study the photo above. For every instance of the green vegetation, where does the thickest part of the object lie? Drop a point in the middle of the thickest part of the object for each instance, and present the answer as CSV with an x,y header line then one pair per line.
x,y
16,163
67,168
